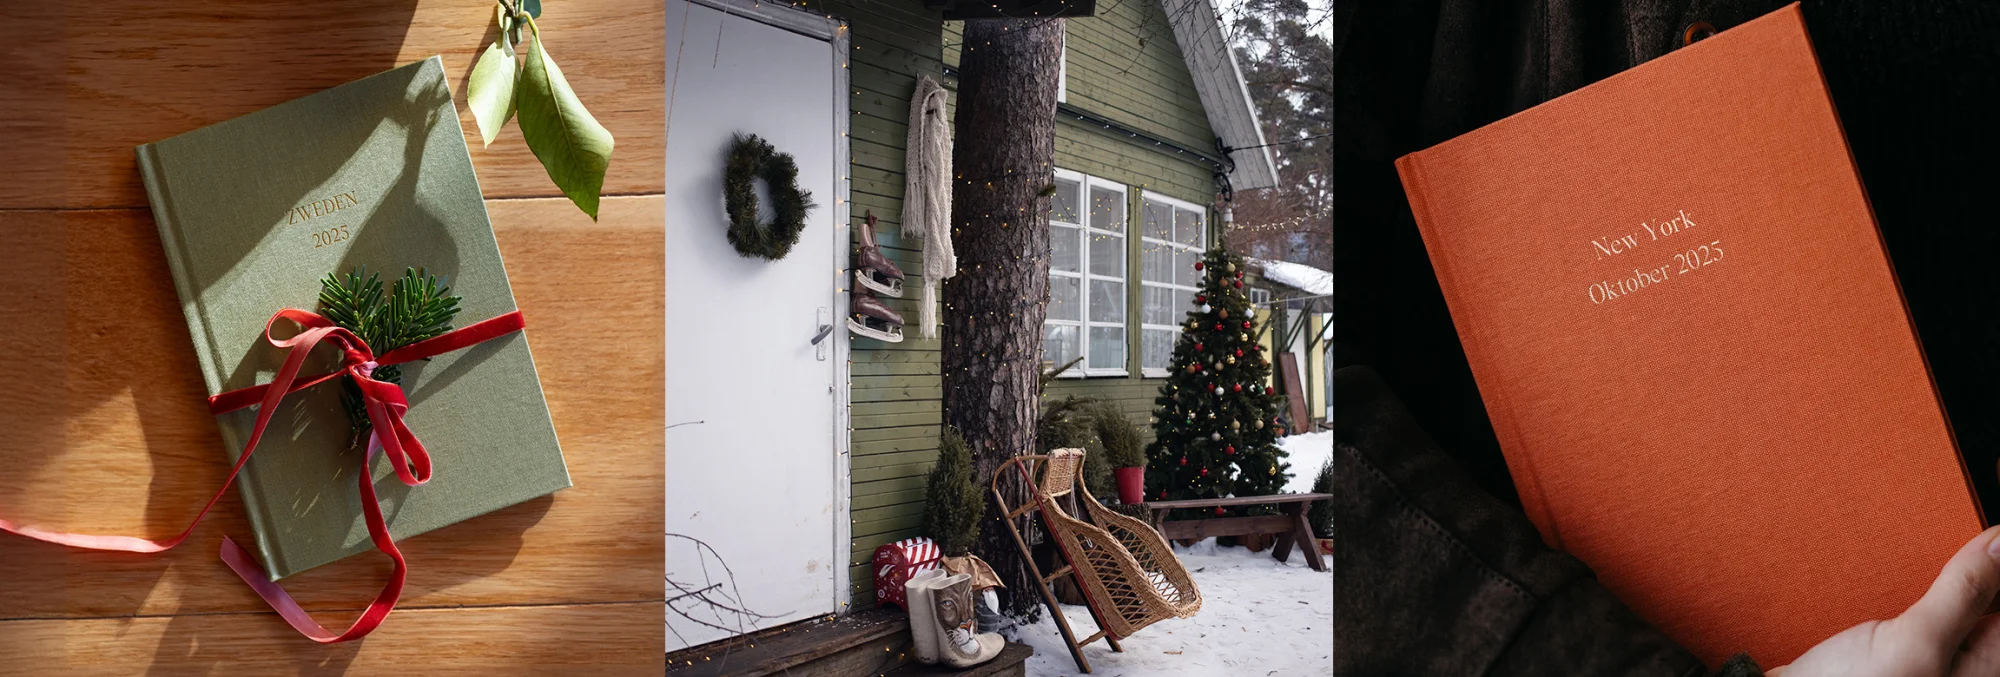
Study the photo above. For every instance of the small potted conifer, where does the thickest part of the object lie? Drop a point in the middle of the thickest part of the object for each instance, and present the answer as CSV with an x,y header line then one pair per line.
x,y
1124,451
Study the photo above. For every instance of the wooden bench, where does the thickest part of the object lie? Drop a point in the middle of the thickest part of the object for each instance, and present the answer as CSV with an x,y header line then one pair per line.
x,y
1290,523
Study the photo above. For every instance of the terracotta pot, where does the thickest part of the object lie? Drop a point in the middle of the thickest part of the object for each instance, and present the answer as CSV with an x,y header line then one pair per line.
x,y
1131,485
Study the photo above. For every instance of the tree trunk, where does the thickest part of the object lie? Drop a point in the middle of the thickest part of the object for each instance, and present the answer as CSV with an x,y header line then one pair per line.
x,y
991,339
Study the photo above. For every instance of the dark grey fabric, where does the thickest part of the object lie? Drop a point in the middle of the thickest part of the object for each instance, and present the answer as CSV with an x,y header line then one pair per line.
x,y
1435,577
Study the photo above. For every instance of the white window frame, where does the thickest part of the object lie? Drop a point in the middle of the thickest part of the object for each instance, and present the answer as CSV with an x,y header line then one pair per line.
x,y
1138,225
1083,276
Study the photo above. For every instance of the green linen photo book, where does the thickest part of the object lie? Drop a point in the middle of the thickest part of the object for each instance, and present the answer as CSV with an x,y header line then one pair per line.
x,y
254,211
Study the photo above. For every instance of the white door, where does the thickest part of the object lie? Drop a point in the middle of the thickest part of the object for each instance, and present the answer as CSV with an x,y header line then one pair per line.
x,y
756,444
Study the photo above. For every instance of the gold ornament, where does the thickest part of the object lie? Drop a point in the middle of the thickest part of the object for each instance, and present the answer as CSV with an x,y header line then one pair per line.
x,y
1232,267
1231,359
1240,336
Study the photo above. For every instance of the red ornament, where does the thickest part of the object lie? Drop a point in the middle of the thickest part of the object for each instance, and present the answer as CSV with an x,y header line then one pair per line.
x,y
1237,388
1195,367
1218,510
1218,326
1197,265
1258,347
1239,275
1200,298
1239,352
1198,347
1229,449
1246,324
1239,284
1183,460
1204,472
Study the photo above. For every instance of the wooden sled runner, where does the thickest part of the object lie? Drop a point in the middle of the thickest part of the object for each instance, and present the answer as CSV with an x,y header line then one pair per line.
x,y
1125,569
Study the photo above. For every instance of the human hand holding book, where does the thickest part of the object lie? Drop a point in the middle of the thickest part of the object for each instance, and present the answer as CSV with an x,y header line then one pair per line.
x,y
1947,632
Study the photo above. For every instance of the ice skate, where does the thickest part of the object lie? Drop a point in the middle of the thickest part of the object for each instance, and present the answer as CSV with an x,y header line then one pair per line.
x,y
874,271
872,319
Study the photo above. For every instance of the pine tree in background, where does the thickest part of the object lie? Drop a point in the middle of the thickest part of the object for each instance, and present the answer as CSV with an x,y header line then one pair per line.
x,y
1214,421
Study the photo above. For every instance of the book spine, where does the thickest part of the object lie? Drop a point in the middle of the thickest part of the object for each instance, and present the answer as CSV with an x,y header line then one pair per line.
x,y
1520,462
160,195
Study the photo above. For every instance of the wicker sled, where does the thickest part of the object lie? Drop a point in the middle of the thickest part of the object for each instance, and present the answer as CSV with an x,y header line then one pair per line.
x,y
1125,569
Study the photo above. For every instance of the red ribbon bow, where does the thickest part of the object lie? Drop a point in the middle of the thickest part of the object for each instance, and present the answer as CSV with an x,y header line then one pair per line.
x,y
385,404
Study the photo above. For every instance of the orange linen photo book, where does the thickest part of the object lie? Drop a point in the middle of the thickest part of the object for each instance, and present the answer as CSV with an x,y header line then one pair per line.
x,y
1677,307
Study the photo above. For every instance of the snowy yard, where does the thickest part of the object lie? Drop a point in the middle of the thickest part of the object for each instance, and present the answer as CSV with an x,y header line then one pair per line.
x,y
1258,617
1306,453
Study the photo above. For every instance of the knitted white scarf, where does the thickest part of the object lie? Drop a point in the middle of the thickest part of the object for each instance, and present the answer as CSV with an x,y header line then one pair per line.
x,y
927,195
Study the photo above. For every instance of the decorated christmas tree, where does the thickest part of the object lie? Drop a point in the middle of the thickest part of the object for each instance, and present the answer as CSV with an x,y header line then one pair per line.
x,y
1214,421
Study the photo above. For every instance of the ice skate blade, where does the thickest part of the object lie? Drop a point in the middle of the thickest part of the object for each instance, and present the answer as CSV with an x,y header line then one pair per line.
x,y
864,330
894,289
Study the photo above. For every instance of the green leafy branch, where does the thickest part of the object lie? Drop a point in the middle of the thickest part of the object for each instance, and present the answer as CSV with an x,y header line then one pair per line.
x,y
417,306
572,146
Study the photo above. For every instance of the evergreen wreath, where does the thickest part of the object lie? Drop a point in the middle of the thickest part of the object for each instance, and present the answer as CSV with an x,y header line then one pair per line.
x,y
751,157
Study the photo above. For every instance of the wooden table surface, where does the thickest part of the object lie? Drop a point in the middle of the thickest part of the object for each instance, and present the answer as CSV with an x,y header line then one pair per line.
x,y
102,423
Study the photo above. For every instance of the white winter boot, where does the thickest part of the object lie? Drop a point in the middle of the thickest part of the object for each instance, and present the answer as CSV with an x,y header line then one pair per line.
x,y
923,624
960,644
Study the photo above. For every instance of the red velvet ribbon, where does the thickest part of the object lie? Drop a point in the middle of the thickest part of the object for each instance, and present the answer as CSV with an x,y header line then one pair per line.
x,y
385,404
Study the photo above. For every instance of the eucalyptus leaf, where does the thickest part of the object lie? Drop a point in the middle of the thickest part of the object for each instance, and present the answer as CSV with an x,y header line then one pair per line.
x,y
490,94
532,7
572,146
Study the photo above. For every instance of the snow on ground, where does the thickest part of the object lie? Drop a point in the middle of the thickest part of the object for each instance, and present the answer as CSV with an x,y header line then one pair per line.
x,y
1258,617
1307,453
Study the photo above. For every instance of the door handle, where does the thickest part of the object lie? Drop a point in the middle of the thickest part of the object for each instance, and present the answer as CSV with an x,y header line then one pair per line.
x,y
824,330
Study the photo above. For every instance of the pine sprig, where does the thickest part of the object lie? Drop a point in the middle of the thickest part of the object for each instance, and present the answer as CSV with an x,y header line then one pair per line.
x,y
418,306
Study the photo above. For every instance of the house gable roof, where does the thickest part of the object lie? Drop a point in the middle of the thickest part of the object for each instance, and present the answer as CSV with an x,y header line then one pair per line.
x,y
1224,95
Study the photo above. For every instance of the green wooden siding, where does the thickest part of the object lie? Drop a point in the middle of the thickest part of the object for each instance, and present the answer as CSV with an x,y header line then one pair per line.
x,y
1112,72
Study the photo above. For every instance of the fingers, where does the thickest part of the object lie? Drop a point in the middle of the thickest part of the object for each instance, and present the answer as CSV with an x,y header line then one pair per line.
x,y
1961,594
1981,653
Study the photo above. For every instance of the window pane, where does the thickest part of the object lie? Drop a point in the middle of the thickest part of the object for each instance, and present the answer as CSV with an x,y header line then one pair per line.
x,y
1183,304
1063,249
1064,207
1107,209
1064,303
1156,262
1184,272
1107,301
1158,305
1107,255
1156,348
1059,344
1157,220
1187,227
1107,348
